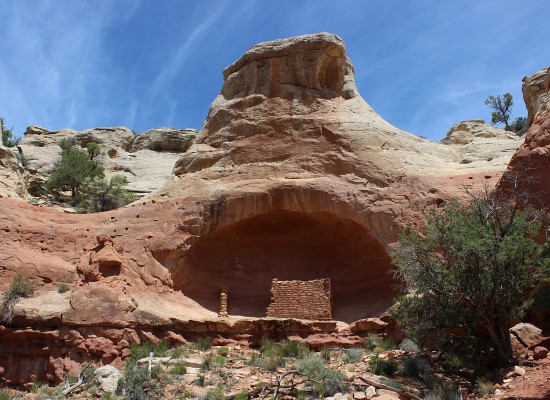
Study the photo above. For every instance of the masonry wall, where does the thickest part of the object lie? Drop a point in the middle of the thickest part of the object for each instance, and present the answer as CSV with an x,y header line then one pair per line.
x,y
300,299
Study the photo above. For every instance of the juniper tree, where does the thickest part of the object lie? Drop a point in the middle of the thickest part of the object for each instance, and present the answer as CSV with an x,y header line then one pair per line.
x,y
469,273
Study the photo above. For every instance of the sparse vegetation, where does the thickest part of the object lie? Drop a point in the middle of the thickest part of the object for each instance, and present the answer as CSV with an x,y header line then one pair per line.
x,y
327,381
352,355
62,288
202,344
179,368
99,194
485,388
7,135
502,108
19,287
139,351
409,346
380,366
138,383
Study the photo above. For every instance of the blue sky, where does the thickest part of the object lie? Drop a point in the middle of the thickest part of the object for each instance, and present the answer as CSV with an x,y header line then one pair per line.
x,y
423,65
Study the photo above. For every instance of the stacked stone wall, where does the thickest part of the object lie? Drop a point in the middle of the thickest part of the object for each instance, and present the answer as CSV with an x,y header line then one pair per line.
x,y
300,299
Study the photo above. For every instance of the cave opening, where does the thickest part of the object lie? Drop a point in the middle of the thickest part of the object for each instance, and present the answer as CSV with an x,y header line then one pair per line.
x,y
247,255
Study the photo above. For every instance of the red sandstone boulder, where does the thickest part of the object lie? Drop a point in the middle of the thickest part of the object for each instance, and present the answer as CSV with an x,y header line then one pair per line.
x,y
320,340
368,324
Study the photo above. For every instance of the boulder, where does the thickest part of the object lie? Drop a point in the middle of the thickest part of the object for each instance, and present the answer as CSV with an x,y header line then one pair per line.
x,y
106,378
368,324
535,94
529,335
540,352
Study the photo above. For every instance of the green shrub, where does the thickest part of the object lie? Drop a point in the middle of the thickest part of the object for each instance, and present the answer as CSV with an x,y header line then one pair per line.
x,y
223,351
202,344
415,367
383,367
325,353
179,351
7,135
485,388
5,394
19,287
178,368
409,346
212,361
138,383
99,194
216,394
328,381
62,288
353,355
440,393
241,396
139,351
293,349
453,363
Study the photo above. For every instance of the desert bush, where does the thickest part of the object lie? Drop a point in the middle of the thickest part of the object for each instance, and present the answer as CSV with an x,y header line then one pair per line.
x,y
453,363
328,381
352,355
409,346
179,351
293,349
379,366
138,383
139,351
415,367
216,394
213,361
202,344
485,388
99,194
178,368
223,351
62,288
325,353
19,287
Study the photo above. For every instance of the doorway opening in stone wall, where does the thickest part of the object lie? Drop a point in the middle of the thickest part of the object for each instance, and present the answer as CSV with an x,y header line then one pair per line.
x,y
246,256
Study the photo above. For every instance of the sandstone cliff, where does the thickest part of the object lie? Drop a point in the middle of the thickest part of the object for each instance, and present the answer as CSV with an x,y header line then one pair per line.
x,y
293,176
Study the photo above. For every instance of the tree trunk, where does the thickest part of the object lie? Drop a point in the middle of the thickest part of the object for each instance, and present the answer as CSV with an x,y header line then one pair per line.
x,y
500,335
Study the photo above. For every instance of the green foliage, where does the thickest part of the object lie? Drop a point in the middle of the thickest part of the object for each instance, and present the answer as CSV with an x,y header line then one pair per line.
x,y
5,394
284,348
179,351
178,368
409,346
19,287
241,396
415,367
138,383
379,366
352,355
468,272
518,124
62,288
69,172
453,363
203,344
328,381
99,194
485,388
216,394
7,135
223,351
93,150
325,353
502,108
212,361
139,351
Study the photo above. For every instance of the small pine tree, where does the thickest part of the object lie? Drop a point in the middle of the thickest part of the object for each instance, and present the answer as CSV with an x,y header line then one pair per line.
x,y
69,172
7,135
502,106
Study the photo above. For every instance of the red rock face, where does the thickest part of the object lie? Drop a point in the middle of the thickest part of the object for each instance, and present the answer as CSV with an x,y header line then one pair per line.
x,y
293,176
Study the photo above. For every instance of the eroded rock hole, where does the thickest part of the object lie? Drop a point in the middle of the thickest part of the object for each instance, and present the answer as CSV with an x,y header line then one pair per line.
x,y
247,255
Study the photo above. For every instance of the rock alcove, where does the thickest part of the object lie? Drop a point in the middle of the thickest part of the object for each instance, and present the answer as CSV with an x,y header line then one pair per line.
x,y
245,256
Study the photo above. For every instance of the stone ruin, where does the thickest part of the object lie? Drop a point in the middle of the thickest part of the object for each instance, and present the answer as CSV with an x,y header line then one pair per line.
x,y
300,299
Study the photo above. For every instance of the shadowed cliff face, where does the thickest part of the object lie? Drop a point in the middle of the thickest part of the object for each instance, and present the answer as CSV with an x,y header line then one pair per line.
x,y
247,255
